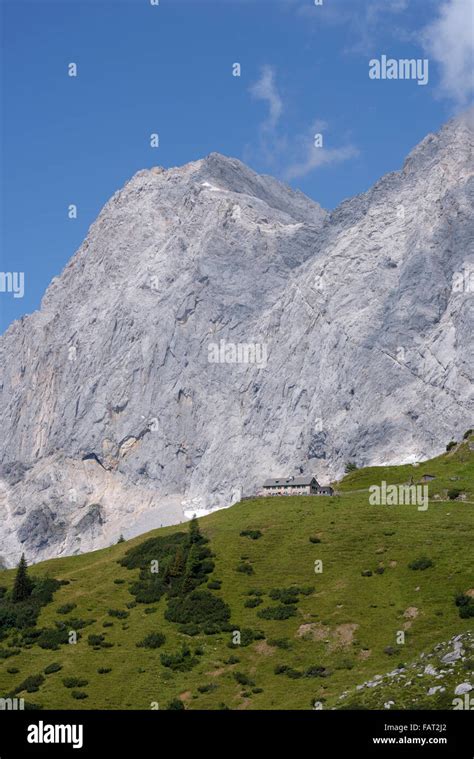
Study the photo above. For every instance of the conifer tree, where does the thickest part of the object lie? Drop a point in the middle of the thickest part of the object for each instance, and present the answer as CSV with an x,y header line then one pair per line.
x,y
192,569
178,564
194,532
23,585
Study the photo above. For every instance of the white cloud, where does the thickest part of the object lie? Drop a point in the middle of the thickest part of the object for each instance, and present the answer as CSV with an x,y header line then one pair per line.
x,y
317,157
265,89
449,40
289,155
307,157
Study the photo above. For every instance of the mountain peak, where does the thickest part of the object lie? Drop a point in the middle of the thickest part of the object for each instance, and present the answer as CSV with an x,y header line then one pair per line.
x,y
354,345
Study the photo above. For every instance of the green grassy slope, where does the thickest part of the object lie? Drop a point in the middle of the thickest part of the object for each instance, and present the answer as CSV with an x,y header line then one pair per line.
x,y
348,625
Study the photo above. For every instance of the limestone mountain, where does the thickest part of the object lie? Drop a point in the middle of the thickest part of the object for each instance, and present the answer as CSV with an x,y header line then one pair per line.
x,y
115,420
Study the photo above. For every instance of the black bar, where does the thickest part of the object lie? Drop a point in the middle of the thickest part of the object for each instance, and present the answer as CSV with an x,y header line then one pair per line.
x,y
332,733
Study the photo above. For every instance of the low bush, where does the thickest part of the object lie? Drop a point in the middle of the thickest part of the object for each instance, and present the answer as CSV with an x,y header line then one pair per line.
x,y
207,688
74,623
118,613
453,494
104,670
251,603
78,694
175,705
66,608
54,667
284,595
282,643
252,534
6,653
31,684
50,638
277,612
182,661
74,682
190,629
153,640
245,568
98,641
421,563
316,671
200,608
243,679
465,606
248,636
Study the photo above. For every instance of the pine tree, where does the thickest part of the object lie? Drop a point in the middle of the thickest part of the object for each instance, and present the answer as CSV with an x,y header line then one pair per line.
x,y
178,564
192,569
194,532
23,585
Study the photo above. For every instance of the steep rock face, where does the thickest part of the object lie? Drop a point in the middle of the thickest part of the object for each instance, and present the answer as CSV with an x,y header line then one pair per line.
x,y
115,415
374,335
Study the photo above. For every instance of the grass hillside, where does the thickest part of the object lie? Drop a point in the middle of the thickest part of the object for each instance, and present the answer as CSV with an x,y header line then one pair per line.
x,y
305,636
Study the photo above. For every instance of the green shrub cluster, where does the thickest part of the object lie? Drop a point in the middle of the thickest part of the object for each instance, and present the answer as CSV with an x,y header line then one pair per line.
x,y
23,613
200,608
31,684
181,661
74,682
252,534
465,605
283,643
277,612
245,568
118,613
243,679
421,563
251,603
66,608
98,641
153,640
184,562
313,671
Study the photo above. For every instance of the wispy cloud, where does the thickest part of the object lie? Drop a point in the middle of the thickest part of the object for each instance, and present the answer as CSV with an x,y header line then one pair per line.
x,y
317,157
265,89
449,41
292,156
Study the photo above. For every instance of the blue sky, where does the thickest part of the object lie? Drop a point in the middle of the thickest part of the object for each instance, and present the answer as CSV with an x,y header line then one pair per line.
x,y
168,69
